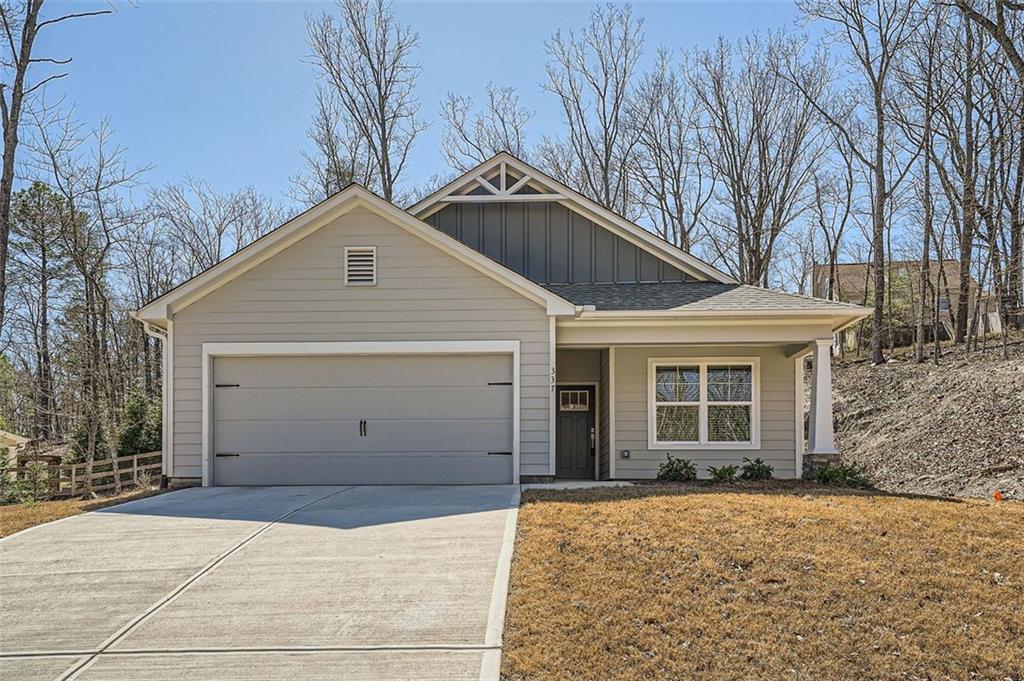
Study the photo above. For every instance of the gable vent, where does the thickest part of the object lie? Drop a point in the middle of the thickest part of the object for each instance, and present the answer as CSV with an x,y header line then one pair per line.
x,y
360,265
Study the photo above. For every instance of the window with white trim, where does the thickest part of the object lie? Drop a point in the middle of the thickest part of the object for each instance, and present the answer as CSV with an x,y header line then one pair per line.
x,y
697,402
360,265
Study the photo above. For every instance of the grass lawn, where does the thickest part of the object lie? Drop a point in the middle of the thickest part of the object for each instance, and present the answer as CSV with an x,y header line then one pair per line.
x,y
17,517
783,581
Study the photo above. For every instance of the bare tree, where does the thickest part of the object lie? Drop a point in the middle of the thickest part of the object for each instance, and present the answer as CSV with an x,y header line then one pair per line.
x,y
469,139
1001,19
591,73
366,58
89,172
674,185
762,141
21,24
209,225
875,33
339,154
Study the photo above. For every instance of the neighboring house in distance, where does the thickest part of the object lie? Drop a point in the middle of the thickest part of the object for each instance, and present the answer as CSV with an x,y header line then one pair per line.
x,y
12,446
854,283
503,329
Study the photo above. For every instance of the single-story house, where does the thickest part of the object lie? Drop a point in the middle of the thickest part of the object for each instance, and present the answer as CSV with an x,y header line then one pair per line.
x,y
503,329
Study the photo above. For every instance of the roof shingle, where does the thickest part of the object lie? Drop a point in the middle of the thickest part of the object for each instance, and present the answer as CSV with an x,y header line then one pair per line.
x,y
690,295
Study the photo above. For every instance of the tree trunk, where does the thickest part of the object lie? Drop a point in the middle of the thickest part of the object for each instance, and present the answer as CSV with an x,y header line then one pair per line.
x,y
878,231
969,202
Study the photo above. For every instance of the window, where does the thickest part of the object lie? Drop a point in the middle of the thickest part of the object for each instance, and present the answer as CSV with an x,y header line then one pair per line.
x,y
574,400
360,265
703,403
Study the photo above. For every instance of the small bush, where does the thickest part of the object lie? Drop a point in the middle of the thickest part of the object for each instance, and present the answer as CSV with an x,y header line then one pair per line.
x,y
841,475
755,470
723,474
677,470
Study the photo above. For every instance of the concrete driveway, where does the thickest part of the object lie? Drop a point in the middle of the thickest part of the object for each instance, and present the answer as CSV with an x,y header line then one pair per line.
x,y
263,583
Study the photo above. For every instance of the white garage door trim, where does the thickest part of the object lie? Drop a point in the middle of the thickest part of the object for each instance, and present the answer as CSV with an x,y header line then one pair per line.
x,y
270,349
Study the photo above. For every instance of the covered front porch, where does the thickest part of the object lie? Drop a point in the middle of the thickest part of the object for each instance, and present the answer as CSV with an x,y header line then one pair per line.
x,y
625,397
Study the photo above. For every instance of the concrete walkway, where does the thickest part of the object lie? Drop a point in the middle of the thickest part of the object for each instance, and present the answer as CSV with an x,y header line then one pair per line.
x,y
264,583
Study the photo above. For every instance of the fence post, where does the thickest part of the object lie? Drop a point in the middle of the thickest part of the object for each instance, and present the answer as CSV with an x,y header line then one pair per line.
x,y
135,469
74,467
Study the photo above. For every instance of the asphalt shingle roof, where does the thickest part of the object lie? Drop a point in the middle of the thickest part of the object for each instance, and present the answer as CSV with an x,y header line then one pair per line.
x,y
691,295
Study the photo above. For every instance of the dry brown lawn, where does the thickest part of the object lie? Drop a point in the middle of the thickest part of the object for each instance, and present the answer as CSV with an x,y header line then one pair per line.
x,y
779,582
17,517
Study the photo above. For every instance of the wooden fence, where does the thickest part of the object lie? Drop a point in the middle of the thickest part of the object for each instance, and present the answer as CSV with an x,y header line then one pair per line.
x,y
70,480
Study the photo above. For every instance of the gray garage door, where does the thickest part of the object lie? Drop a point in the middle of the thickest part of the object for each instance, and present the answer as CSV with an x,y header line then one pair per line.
x,y
363,420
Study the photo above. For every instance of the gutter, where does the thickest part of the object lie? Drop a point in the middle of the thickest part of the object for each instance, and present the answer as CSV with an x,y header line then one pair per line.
x,y
161,335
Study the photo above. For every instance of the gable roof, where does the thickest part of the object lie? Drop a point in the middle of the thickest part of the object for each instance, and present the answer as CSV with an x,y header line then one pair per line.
x,y
161,309
542,187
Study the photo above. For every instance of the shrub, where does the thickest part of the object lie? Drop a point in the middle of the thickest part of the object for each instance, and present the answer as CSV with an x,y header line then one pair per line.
x,y
755,470
841,475
140,426
35,486
677,470
723,474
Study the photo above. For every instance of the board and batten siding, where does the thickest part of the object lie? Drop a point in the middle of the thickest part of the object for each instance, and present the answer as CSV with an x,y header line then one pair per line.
x,y
421,294
548,243
778,429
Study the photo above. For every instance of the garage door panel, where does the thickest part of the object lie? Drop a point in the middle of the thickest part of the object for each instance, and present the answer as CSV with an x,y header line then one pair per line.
x,y
246,403
446,435
428,419
425,468
397,371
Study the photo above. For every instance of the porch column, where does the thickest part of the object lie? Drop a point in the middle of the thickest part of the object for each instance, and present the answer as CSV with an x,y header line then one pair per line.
x,y
822,439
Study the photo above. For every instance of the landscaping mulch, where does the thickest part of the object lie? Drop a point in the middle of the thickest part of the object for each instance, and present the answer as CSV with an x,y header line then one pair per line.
x,y
779,581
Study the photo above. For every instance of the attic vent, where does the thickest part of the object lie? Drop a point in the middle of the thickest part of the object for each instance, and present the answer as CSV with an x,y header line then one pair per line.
x,y
360,265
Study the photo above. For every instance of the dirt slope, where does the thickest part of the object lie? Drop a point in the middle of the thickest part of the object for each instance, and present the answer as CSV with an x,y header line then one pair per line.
x,y
956,429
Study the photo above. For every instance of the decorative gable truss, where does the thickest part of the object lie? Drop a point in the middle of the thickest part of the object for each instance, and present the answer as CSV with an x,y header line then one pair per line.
x,y
499,184
504,179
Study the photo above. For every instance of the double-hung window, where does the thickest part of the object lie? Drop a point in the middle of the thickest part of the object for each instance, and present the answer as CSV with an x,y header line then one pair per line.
x,y
697,402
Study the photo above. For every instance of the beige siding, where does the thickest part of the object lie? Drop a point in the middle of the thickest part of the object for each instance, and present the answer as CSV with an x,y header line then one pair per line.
x,y
422,294
778,426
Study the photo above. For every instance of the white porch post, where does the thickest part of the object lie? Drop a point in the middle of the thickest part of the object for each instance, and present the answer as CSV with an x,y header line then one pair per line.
x,y
822,439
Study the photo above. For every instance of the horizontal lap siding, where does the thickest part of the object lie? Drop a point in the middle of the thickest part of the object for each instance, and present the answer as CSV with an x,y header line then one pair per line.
x,y
421,294
778,426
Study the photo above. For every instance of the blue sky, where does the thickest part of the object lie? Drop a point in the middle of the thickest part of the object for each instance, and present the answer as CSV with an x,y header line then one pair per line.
x,y
222,90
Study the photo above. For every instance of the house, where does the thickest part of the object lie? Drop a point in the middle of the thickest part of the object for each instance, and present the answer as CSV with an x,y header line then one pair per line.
x,y
12,447
854,283
503,329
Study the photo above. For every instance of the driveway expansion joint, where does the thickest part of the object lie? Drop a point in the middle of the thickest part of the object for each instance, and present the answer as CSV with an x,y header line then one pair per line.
x,y
77,669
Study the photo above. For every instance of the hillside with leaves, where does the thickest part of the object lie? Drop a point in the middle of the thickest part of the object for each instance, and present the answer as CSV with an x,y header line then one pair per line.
x,y
954,429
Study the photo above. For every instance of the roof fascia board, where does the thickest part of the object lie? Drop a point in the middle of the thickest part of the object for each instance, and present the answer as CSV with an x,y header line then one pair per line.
x,y
310,221
825,313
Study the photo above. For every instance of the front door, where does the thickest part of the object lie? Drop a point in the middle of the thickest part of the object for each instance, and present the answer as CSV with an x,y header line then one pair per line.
x,y
575,452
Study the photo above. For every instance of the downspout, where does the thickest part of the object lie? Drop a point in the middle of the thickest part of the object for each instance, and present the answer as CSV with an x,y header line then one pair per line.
x,y
161,335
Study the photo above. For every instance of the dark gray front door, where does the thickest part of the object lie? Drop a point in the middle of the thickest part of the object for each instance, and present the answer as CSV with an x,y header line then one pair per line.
x,y
574,453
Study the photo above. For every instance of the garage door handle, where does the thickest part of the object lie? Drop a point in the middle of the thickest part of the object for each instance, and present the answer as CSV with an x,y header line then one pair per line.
x,y
220,455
